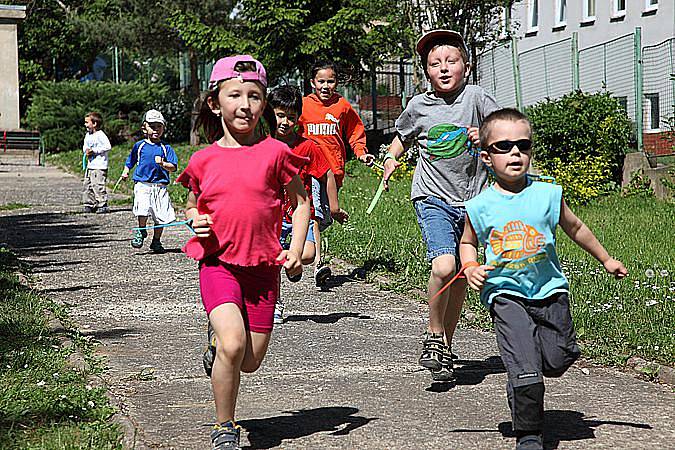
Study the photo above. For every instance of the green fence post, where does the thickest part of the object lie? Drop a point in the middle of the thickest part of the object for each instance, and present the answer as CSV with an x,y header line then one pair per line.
x,y
575,61
516,72
637,52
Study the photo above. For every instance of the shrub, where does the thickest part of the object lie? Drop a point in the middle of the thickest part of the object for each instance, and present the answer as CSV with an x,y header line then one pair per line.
x,y
583,133
58,110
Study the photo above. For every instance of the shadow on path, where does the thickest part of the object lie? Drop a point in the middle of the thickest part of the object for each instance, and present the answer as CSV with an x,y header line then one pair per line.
x,y
562,425
271,431
470,372
324,318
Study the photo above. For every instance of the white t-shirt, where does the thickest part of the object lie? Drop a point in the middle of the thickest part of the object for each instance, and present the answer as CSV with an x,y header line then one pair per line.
x,y
100,144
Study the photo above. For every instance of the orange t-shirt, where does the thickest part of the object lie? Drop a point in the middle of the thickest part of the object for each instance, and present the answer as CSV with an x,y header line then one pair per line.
x,y
328,124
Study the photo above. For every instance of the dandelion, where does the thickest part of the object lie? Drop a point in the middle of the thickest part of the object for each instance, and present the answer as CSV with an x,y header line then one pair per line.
x,y
649,273
656,347
663,273
651,303
55,375
41,383
91,404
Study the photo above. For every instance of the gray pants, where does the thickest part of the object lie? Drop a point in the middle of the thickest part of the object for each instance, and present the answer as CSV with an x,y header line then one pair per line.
x,y
536,339
94,194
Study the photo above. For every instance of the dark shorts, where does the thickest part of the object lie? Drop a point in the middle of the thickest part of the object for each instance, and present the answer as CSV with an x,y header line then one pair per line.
x,y
442,226
254,290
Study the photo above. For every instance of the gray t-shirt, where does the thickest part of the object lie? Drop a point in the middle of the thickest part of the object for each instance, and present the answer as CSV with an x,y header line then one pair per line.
x,y
445,167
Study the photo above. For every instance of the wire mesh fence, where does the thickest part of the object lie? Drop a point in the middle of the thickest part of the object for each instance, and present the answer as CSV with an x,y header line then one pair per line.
x,y
496,75
658,104
546,72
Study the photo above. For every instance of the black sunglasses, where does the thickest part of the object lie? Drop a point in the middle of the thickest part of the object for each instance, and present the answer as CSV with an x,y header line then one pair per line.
x,y
524,145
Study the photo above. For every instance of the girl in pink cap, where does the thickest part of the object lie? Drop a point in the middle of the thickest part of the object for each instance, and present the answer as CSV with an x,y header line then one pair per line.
x,y
235,208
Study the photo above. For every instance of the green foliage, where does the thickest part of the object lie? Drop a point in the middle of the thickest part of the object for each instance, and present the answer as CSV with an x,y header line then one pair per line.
x,y
581,180
58,110
590,133
45,402
638,186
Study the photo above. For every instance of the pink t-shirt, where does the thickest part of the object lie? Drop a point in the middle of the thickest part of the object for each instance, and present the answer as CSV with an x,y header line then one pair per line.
x,y
240,187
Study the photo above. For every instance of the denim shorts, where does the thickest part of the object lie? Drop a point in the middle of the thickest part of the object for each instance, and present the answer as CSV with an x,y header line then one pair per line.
x,y
287,230
441,224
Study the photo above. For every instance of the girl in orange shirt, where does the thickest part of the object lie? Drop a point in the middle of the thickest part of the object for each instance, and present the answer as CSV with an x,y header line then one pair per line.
x,y
330,121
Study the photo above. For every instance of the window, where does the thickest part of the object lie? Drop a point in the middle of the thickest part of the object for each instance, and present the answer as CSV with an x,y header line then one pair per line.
x,y
589,11
560,13
618,8
623,103
533,15
652,116
651,5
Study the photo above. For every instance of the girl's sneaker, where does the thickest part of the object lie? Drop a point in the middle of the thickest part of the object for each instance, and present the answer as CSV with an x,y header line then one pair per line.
x,y
157,247
139,237
279,312
433,348
225,436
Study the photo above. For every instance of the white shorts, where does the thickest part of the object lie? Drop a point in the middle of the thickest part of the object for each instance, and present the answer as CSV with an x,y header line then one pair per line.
x,y
153,200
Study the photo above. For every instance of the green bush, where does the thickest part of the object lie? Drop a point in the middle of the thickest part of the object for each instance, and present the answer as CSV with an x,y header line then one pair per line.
x,y
58,110
582,134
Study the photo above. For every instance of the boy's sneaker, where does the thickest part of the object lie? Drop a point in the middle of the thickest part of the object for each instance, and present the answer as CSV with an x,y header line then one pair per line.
x,y
530,442
321,275
88,209
446,372
433,348
139,237
209,356
225,436
103,210
279,312
157,247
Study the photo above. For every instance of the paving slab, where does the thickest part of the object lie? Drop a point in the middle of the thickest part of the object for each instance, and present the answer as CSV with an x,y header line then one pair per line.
x,y
341,372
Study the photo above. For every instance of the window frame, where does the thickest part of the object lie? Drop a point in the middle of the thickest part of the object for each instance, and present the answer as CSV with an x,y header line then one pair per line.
x,y
560,8
585,18
650,7
616,12
652,112
530,15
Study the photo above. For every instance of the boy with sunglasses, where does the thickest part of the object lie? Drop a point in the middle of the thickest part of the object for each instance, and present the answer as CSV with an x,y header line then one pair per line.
x,y
521,281
443,122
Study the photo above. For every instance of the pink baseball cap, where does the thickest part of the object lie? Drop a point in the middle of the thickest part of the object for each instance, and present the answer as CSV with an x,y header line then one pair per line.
x,y
244,67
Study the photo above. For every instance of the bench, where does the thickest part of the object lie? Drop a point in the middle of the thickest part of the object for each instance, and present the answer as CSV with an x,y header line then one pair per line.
x,y
22,143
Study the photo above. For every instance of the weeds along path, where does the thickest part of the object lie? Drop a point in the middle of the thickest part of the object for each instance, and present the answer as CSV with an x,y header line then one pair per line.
x,y
341,372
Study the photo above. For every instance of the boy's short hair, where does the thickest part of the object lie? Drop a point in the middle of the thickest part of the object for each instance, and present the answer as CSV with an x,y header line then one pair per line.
x,y
287,98
508,114
96,119
435,38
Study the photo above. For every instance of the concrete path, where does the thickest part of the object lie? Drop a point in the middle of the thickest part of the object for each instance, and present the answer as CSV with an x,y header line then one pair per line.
x,y
341,373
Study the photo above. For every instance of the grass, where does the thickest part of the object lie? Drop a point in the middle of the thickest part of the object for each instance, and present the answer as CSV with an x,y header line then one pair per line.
x,y
614,319
72,162
12,206
45,403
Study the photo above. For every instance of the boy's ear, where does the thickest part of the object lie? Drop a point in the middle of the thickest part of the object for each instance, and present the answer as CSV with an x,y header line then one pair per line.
x,y
485,157
467,70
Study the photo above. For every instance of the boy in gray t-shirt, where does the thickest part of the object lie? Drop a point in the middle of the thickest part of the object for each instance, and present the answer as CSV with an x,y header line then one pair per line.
x,y
444,122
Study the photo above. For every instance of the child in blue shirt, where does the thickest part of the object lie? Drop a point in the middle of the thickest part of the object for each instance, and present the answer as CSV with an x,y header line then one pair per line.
x,y
153,160
521,281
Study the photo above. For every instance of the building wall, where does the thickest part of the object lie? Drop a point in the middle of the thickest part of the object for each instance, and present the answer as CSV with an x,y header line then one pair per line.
x,y
9,66
657,26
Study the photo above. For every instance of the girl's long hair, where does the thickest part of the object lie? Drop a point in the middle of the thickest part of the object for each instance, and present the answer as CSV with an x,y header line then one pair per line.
x,y
212,125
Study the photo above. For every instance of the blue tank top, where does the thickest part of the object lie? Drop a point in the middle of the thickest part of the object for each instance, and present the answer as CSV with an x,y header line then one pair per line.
x,y
518,233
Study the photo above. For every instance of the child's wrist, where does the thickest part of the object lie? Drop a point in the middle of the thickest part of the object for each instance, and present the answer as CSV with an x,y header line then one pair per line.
x,y
388,156
470,264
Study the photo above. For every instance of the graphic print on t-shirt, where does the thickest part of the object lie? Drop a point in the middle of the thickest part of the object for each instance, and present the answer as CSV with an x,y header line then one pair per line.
x,y
446,141
516,240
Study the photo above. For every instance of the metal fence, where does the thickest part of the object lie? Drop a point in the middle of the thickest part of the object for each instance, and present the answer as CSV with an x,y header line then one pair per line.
x,y
620,66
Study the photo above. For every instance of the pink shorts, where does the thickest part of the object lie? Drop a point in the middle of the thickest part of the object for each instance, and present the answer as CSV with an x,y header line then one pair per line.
x,y
253,289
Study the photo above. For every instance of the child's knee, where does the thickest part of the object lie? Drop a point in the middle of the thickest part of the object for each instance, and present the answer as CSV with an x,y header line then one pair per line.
x,y
443,267
555,364
230,350
250,365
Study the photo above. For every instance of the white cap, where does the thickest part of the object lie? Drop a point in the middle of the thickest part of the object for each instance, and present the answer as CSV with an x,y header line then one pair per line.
x,y
154,116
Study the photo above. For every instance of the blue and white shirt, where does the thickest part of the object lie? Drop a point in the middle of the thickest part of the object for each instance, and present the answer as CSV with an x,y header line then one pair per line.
x,y
518,233
148,171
